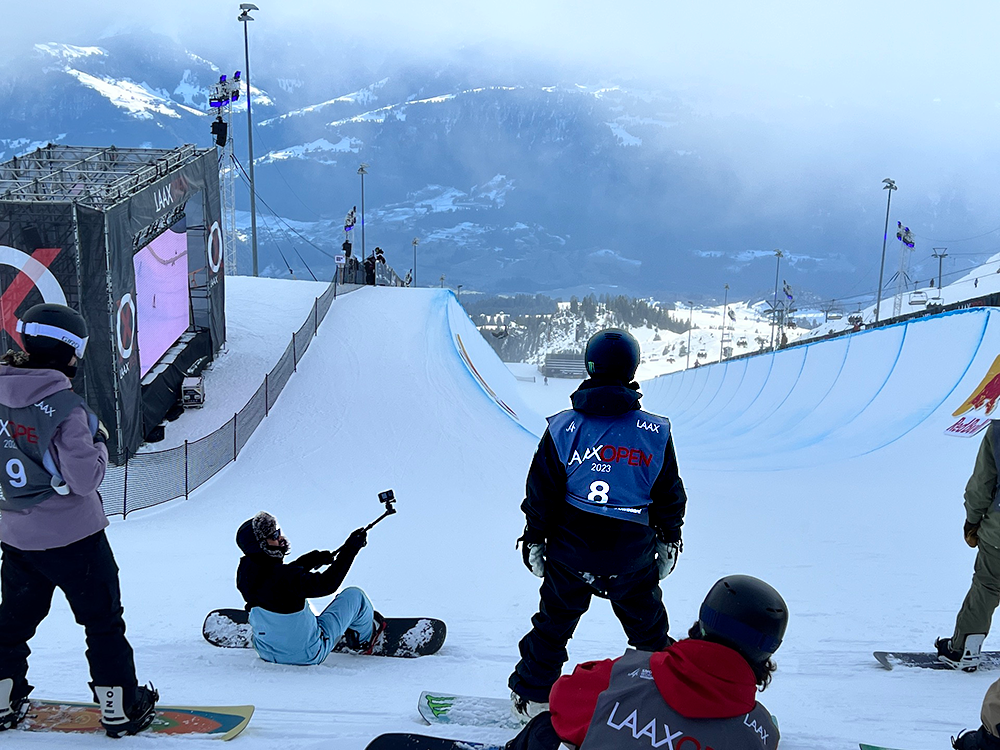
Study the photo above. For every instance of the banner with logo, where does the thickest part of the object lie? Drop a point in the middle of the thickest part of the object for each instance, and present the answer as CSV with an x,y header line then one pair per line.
x,y
71,254
189,195
974,415
37,263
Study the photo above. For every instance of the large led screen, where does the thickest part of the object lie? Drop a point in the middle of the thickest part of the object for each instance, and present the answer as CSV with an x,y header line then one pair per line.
x,y
161,284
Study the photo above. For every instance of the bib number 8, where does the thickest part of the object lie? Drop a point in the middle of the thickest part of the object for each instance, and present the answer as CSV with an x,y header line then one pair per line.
x,y
598,492
15,470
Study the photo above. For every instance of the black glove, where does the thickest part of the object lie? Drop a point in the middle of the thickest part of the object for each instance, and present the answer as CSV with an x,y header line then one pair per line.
x,y
315,559
971,534
357,540
533,551
102,434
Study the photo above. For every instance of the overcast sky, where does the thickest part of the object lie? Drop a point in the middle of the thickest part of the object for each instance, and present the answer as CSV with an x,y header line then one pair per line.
x,y
861,88
850,50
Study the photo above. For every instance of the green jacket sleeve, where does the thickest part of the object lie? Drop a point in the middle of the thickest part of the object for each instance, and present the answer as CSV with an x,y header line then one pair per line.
x,y
982,484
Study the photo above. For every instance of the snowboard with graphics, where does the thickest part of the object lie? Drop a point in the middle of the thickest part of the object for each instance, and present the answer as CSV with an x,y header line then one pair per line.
x,y
405,637
424,742
468,710
929,660
220,722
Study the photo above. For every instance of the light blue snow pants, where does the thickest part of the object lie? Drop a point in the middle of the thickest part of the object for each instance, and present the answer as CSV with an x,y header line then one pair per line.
x,y
349,610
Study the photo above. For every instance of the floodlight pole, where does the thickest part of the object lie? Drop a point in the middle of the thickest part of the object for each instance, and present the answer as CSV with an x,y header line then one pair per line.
x,y
244,17
778,255
889,185
363,170
725,307
413,281
690,324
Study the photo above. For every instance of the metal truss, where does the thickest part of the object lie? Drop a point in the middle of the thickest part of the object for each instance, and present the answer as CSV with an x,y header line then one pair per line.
x,y
90,176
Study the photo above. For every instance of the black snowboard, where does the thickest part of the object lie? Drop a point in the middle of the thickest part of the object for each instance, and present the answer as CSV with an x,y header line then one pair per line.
x,y
929,660
404,636
423,742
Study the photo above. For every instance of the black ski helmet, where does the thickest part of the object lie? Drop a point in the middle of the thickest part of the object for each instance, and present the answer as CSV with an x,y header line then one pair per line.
x,y
612,354
746,614
53,334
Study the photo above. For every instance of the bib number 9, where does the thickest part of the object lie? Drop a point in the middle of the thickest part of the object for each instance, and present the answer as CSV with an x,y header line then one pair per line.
x,y
599,492
15,470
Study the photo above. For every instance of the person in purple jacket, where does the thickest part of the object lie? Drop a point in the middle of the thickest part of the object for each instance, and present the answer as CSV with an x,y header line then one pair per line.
x,y
53,456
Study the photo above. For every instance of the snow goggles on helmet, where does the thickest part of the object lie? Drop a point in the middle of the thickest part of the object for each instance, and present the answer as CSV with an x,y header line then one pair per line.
x,y
53,332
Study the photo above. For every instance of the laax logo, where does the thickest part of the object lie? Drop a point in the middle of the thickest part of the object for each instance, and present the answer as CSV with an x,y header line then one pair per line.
x,y
752,723
33,273
161,198
982,402
611,454
657,737
644,425
215,248
571,427
47,410
125,332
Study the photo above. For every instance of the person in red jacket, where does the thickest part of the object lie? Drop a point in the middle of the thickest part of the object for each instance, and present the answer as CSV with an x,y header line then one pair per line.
x,y
699,692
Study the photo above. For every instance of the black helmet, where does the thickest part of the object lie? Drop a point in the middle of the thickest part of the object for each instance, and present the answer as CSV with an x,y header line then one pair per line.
x,y
746,614
53,334
612,354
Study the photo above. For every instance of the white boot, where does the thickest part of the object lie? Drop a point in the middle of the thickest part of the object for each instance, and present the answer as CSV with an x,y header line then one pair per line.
x,y
112,703
114,719
10,715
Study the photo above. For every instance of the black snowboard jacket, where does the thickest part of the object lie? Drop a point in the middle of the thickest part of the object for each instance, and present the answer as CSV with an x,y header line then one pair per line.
x,y
272,584
588,542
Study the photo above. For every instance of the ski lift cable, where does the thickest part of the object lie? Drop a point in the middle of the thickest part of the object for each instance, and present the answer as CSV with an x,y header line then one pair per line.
x,y
964,239
287,225
274,242
294,249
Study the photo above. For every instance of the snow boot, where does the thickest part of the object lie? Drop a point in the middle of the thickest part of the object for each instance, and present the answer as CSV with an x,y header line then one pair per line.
x,y
13,704
378,630
353,641
522,710
975,740
118,720
968,659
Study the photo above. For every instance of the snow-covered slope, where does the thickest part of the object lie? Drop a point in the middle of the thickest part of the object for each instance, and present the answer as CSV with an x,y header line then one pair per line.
x,y
865,545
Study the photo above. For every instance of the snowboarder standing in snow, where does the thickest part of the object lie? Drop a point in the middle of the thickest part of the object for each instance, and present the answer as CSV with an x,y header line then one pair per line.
x,y
698,692
52,523
982,531
604,506
285,630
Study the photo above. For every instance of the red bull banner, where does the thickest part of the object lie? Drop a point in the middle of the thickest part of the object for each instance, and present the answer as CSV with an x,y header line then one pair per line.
x,y
974,414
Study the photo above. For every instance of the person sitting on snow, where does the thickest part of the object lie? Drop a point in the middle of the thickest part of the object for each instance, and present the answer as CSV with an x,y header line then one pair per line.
x,y
285,630
697,692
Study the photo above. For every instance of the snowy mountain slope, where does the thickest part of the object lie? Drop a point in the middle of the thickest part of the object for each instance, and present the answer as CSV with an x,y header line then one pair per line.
x,y
866,549
613,185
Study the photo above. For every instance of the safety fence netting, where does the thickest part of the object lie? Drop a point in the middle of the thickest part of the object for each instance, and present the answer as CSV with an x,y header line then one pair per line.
x,y
151,478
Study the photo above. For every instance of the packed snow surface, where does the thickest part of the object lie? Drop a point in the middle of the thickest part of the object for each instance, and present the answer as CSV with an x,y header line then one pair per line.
x,y
824,470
